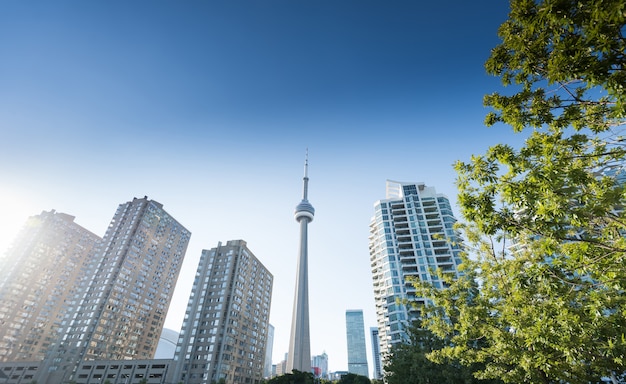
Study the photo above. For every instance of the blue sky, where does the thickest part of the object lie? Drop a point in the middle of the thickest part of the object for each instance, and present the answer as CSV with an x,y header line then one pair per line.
x,y
208,107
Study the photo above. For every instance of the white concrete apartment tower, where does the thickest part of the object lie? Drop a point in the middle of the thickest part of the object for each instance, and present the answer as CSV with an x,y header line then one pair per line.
x,y
299,357
411,234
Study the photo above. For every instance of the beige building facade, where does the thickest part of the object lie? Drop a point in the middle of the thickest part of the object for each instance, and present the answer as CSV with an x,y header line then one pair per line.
x,y
43,267
121,306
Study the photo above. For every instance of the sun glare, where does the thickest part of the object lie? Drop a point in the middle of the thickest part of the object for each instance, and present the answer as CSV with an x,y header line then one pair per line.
x,y
15,209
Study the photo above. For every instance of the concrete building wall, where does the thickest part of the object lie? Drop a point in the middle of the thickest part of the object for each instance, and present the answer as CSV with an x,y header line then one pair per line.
x,y
38,273
121,306
19,372
411,235
158,371
224,332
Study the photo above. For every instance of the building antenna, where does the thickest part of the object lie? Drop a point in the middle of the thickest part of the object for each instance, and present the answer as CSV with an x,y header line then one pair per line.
x,y
306,175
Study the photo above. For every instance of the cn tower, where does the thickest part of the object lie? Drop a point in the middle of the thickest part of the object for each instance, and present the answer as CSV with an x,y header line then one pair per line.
x,y
299,357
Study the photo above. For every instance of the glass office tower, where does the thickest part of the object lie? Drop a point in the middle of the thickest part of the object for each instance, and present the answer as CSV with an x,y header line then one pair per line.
x,y
355,332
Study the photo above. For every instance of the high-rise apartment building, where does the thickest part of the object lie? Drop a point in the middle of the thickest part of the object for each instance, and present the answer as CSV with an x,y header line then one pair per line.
x,y
376,360
225,329
411,235
119,311
41,269
355,332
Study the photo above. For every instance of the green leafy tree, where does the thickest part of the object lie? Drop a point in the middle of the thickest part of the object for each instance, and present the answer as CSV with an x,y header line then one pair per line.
x,y
295,377
352,378
409,363
542,300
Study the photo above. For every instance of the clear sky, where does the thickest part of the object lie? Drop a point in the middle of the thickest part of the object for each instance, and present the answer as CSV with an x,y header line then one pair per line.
x,y
208,107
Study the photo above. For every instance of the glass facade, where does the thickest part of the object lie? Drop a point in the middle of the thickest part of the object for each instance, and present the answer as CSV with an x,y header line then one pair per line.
x,y
357,354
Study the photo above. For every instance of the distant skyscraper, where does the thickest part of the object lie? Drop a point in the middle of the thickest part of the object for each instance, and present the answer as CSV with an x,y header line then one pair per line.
x,y
224,333
411,234
267,372
119,311
281,368
376,360
300,342
355,332
320,362
37,274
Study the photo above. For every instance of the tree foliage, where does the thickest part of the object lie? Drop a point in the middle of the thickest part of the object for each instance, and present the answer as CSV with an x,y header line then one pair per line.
x,y
295,377
409,364
352,378
542,300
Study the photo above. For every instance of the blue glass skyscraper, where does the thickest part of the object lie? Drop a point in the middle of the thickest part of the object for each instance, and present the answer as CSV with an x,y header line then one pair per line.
x,y
355,332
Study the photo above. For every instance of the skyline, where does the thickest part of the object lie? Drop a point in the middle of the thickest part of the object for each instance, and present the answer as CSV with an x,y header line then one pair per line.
x,y
208,109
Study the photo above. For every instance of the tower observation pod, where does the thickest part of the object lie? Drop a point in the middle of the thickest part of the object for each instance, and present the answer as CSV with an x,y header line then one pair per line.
x,y
299,357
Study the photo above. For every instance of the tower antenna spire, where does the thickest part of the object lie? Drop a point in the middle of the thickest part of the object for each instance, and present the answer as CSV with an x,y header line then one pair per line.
x,y
306,176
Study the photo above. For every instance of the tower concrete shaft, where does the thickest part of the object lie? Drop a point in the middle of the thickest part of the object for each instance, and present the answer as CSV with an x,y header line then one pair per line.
x,y
299,357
